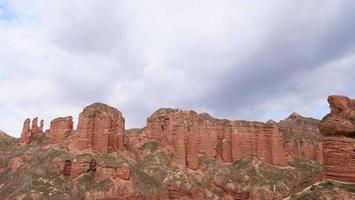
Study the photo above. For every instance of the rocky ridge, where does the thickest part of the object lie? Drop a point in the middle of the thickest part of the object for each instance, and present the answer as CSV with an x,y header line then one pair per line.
x,y
177,155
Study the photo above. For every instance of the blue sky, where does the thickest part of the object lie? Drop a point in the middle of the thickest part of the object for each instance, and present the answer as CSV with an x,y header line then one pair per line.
x,y
6,13
233,59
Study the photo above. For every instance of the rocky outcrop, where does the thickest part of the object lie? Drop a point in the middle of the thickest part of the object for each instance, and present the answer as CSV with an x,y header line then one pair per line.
x,y
60,129
339,158
30,131
106,172
189,136
101,127
302,137
26,132
341,119
338,127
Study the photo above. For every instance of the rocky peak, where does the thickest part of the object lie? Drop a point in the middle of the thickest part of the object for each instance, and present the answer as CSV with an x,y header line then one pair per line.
x,y
30,132
340,104
101,127
101,110
341,119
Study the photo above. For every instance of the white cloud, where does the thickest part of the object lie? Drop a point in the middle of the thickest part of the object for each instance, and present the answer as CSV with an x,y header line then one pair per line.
x,y
235,59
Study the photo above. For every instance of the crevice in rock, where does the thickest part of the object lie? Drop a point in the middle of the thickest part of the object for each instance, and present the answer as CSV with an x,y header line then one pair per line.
x,y
92,167
67,168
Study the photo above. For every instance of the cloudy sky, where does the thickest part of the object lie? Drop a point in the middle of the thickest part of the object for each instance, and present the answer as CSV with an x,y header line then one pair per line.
x,y
252,60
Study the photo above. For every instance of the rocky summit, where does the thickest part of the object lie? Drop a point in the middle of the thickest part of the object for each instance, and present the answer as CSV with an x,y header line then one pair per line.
x,y
182,155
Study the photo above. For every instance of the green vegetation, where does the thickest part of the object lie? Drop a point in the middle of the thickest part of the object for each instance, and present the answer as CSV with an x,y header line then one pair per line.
x,y
144,182
150,146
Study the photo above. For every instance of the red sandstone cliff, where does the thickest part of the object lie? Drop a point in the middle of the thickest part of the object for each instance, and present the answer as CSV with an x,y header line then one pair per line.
x,y
101,127
190,136
338,127
60,129
302,138
178,151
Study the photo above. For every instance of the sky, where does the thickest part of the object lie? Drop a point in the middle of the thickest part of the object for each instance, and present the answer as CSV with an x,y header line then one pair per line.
x,y
252,60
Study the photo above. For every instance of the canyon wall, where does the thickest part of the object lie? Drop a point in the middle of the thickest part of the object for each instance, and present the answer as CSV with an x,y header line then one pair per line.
x,y
302,138
338,127
189,136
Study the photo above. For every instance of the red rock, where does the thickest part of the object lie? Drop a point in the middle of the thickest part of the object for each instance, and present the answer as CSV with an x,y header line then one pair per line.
x,y
194,135
101,127
109,172
192,148
302,137
16,163
26,132
339,158
33,131
341,119
338,127
179,146
60,129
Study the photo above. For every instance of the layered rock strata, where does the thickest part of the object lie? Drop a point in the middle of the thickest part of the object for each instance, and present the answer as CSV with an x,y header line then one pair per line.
x,y
302,138
338,127
101,127
190,136
60,129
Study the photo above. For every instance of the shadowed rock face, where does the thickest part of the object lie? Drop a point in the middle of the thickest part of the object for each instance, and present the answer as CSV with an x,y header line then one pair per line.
x,y
338,127
101,126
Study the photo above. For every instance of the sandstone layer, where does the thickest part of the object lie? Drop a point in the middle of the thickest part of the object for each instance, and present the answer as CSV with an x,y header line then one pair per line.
x,y
338,127
101,127
178,155
60,129
190,136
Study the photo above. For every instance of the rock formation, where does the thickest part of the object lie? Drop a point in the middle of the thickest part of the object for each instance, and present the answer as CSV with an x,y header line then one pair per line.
x,y
338,127
26,132
178,155
30,131
101,127
302,138
190,136
341,119
60,129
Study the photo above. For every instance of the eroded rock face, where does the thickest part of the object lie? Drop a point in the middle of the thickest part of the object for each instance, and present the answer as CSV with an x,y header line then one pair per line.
x,y
338,127
341,119
101,127
106,172
302,138
191,135
30,131
26,132
60,129
339,158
